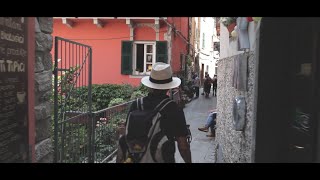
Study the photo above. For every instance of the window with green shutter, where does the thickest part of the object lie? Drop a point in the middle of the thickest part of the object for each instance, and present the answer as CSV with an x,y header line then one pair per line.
x,y
161,51
126,57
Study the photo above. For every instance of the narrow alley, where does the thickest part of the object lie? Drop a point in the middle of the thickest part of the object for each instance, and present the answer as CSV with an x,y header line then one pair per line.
x,y
67,85
202,147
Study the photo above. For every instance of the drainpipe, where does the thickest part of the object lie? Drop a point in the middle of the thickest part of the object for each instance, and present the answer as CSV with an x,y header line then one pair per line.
x,y
189,44
176,31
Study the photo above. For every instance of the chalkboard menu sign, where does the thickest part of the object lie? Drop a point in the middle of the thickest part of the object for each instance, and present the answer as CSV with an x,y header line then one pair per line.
x,y
13,89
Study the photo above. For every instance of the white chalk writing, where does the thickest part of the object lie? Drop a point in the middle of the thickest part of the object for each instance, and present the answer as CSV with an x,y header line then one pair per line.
x,y
17,52
2,66
10,23
11,66
8,108
10,100
8,94
12,37
7,87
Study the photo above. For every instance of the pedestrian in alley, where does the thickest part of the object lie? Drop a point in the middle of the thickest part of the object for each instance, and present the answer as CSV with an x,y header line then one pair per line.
x,y
214,85
196,84
207,85
211,123
167,126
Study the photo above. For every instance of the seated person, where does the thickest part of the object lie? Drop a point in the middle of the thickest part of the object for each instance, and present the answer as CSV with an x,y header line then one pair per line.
x,y
211,123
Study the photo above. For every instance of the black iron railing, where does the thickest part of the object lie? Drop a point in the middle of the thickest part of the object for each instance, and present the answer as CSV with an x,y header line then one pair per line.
x,y
80,135
73,125
109,125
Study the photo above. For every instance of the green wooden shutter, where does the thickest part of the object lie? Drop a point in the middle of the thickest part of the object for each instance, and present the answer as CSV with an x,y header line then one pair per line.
x,y
161,51
126,57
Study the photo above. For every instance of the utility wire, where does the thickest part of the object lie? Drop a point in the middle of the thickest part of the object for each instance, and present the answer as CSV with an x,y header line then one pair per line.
x,y
112,38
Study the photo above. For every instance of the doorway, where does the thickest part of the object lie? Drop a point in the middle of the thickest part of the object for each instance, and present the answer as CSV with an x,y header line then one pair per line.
x,y
288,90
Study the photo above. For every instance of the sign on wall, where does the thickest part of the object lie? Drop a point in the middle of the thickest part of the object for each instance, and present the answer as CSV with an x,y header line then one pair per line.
x,y
13,89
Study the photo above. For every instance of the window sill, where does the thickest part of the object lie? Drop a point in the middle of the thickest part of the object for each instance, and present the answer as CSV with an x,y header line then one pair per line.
x,y
138,76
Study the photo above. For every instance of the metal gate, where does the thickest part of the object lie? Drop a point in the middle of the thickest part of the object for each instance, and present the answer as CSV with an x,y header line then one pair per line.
x,y
73,122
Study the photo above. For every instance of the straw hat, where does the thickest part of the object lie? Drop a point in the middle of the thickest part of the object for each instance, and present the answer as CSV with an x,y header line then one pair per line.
x,y
161,77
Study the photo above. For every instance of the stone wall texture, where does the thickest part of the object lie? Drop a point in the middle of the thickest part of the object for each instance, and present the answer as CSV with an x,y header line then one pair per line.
x,y
234,146
43,88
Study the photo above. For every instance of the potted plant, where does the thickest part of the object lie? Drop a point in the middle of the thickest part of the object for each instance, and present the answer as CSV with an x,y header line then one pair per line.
x,y
230,23
256,19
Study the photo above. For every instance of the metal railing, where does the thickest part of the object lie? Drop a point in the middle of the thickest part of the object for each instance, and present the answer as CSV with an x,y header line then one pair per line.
x,y
109,126
73,125
77,145
106,118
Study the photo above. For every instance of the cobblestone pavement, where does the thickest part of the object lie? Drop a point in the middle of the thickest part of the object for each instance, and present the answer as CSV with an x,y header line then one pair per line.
x,y
202,147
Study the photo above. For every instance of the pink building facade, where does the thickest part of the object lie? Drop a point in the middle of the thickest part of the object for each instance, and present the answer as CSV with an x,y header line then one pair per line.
x,y
124,49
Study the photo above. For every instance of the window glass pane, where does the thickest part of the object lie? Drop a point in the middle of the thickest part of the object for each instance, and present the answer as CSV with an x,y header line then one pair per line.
x,y
149,67
140,58
149,58
149,48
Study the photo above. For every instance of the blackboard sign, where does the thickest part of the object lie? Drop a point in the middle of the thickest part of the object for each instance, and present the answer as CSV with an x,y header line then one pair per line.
x,y
13,89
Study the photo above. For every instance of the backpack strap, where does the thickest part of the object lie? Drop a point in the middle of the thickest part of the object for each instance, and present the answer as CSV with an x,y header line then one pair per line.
x,y
163,104
166,104
139,102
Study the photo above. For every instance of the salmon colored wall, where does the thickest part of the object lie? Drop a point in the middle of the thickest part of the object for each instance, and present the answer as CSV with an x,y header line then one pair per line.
x,y
181,24
178,47
184,26
163,29
144,34
148,34
178,44
106,54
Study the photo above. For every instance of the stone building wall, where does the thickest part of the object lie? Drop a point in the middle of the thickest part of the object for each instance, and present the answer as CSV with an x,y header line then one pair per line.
x,y
235,146
43,88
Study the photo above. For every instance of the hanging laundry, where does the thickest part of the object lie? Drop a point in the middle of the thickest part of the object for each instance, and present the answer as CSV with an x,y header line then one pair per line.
x,y
243,35
240,72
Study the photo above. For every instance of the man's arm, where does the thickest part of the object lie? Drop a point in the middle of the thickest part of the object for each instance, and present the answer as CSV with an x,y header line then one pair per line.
x,y
184,149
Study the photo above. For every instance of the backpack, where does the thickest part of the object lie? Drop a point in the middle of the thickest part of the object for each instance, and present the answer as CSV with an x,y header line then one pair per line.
x,y
144,141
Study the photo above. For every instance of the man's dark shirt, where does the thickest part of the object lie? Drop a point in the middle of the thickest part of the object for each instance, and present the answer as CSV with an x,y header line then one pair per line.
x,y
173,122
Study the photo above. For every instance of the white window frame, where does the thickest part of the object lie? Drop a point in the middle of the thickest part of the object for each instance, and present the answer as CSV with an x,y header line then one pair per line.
x,y
134,54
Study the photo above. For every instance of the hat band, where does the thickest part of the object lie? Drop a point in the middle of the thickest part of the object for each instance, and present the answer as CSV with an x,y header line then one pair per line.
x,y
164,81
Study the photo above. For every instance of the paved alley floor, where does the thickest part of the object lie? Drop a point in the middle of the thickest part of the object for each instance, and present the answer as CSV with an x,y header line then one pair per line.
x,y
196,113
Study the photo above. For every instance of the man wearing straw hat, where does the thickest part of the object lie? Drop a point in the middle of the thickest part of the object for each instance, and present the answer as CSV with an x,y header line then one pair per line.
x,y
172,122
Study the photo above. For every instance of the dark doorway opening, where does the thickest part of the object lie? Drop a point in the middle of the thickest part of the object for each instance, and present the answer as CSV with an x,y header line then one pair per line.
x,y
288,90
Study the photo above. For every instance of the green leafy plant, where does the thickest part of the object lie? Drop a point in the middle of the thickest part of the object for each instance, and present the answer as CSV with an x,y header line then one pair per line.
x,y
226,21
189,60
116,101
144,89
102,94
137,94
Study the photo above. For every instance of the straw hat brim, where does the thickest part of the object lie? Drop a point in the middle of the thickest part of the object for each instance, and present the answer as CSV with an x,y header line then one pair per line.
x,y
173,84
